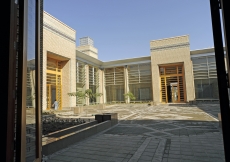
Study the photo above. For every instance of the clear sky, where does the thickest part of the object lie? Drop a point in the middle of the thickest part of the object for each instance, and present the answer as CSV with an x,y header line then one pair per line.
x,y
124,28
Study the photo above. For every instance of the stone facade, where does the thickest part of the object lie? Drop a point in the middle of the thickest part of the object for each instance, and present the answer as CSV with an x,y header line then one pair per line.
x,y
168,51
89,50
59,39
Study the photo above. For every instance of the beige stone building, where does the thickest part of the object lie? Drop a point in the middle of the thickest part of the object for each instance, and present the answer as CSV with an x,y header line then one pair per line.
x,y
170,73
170,59
59,63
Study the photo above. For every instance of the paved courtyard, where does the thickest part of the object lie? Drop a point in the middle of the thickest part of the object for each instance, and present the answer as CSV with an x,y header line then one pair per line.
x,y
163,133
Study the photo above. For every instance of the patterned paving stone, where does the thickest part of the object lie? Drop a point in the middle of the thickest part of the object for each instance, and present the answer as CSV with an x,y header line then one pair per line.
x,y
162,133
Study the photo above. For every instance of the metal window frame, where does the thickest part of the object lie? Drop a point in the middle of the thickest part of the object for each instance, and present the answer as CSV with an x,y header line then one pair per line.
x,y
215,7
21,91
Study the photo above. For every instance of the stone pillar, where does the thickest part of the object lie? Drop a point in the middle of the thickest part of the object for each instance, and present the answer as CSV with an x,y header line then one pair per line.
x,y
103,86
100,89
126,81
86,82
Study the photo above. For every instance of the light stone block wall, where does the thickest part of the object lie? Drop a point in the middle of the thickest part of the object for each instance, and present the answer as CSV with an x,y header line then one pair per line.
x,y
59,39
89,50
101,86
57,25
171,50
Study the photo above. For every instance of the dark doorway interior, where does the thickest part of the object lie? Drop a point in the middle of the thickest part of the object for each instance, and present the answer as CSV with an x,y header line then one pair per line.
x,y
169,93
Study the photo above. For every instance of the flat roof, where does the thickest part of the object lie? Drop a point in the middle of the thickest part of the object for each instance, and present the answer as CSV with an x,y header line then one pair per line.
x,y
202,51
122,62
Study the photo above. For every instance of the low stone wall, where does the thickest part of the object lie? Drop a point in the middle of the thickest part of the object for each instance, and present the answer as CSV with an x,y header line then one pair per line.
x,y
80,109
204,101
97,106
30,111
56,144
72,129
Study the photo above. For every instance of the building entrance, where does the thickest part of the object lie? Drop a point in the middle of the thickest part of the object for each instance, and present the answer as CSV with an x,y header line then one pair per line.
x,y
172,83
54,82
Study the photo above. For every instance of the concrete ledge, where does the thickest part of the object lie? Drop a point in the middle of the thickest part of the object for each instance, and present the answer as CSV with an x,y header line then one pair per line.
x,y
53,144
203,101
70,129
219,118
103,126
147,101
111,116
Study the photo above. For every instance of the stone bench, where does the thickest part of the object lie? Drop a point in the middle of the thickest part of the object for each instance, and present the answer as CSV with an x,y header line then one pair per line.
x,y
107,116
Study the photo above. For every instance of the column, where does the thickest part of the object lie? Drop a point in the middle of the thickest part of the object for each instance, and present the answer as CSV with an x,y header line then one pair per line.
x,y
126,81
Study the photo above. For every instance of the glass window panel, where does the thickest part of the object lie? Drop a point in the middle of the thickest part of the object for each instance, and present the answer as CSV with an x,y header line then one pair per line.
x,y
30,99
214,87
198,88
199,60
211,59
206,88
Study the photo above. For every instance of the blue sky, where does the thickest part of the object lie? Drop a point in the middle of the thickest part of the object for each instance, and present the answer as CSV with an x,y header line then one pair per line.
x,y
124,28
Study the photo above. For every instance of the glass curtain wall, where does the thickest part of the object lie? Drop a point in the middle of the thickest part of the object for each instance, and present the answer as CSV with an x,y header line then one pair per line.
x,y
114,85
205,77
80,80
93,82
140,81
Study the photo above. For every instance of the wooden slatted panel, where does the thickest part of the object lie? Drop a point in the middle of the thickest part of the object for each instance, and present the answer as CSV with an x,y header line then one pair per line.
x,y
59,91
173,74
51,79
162,71
180,69
48,96
51,65
59,66
54,79
171,80
163,90
181,88
170,70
